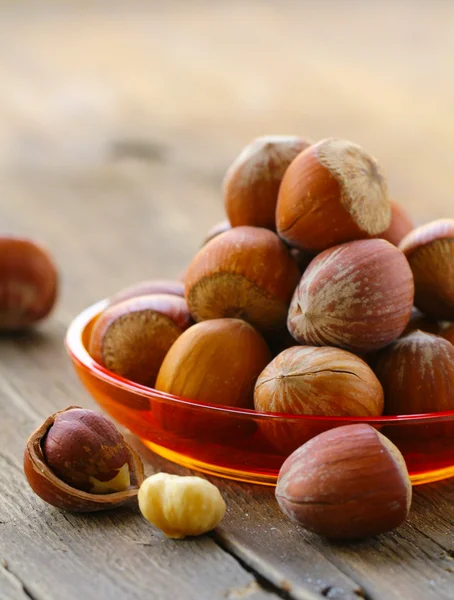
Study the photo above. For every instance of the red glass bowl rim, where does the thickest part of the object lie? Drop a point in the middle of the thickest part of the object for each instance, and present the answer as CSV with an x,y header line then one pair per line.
x,y
79,354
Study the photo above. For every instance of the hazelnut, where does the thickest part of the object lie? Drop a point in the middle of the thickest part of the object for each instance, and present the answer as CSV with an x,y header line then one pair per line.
x,y
78,461
347,483
417,374
148,288
28,283
401,224
448,333
216,230
132,337
181,506
251,184
430,252
216,361
306,380
333,192
357,295
326,381
245,273
421,322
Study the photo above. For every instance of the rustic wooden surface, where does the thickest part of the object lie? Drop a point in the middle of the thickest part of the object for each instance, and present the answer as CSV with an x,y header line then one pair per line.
x,y
116,125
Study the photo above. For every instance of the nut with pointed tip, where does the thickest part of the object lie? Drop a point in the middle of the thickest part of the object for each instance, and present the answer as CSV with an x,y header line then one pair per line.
x,y
245,273
401,224
417,374
28,283
78,461
430,251
251,184
358,296
131,338
333,192
181,506
347,483
148,288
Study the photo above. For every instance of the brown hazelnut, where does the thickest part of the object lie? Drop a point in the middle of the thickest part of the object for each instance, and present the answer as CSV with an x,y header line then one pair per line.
x,y
401,224
417,374
28,283
251,184
132,337
430,252
215,361
333,192
358,296
78,461
307,380
347,483
244,273
216,230
148,288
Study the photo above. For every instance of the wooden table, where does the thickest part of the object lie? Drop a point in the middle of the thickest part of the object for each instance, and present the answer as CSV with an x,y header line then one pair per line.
x,y
116,125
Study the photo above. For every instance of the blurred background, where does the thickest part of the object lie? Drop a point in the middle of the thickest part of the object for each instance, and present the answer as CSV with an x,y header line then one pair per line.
x,y
118,120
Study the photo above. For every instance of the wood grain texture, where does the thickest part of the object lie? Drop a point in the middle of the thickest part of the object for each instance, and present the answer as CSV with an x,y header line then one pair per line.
x,y
117,124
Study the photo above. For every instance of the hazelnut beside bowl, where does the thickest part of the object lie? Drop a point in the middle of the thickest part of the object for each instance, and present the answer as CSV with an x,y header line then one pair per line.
x,y
78,461
28,283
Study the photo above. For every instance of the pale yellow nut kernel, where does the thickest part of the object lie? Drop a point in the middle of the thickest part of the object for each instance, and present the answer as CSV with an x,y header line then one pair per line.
x,y
181,506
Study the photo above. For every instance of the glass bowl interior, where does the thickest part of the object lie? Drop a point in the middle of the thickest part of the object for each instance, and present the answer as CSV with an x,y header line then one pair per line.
x,y
242,444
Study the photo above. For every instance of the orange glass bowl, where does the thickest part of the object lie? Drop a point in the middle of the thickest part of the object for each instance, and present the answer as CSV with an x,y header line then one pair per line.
x,y
242,444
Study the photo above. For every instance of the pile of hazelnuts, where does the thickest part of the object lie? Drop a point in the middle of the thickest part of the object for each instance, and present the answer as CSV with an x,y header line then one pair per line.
x,y
317,297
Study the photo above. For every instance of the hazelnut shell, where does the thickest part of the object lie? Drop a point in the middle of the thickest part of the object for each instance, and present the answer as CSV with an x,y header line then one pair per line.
x,y
56,492
347,483
401,224
147,288
358,296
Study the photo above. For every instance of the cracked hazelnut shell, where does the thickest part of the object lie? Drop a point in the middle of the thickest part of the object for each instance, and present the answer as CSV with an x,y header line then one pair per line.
x,y
48,485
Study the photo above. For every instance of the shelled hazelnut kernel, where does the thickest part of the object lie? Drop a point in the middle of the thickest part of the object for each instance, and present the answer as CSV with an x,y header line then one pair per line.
x,y
401,224
333,192
181,506
358,296
245,273
78,461
131,338
306,380
417,374
251,184
347,483
430,252
28,283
